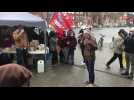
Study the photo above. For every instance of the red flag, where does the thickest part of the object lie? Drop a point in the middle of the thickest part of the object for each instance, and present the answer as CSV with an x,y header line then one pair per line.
x,y
68,20
60,22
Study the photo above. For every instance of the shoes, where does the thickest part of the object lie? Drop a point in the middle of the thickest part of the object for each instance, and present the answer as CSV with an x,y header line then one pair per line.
x,y
90,85
87,82
126,73
108,67
121,69
82,63
130,76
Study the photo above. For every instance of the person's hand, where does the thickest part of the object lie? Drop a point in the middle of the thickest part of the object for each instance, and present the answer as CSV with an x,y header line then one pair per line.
x,y
68,43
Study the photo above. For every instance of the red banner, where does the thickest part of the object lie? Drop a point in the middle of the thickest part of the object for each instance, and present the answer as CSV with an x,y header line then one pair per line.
x,y
61,22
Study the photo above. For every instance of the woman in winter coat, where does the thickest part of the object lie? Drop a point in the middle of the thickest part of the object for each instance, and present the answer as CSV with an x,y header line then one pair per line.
x,y
90,46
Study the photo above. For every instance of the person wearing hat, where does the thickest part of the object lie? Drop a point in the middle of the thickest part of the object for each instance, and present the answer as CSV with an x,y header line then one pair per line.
x,y
90,46
129,53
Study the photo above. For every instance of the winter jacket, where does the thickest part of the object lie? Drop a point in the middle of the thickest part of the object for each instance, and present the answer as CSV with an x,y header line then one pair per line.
x,y
61,42
90,46
129,44
52,41
70,42
118,45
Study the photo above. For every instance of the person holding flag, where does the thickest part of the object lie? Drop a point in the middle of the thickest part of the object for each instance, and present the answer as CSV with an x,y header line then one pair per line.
x,y
60,22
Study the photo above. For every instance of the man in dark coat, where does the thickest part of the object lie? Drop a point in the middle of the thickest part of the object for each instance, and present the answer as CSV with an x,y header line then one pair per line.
x,y
70,43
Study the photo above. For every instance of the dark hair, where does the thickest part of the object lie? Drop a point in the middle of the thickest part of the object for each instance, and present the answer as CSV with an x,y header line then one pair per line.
x,y
81,31
52,34
122,31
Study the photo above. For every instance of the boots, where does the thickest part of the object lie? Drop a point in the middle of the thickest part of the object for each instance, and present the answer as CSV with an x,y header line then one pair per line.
x,y
125,73
130,76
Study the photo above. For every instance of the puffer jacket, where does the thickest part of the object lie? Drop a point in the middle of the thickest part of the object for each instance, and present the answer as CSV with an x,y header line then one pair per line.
x,y
129,44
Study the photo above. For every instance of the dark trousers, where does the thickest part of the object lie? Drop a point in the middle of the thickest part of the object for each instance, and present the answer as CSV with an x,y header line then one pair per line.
x,y
82,52
90,68
54,57
62,57
70,56
22,57
115,56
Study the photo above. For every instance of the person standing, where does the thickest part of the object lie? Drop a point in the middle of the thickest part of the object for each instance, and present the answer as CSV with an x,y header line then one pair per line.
x,y
52,47
118,50
81,32
129,53
21,41
70,43
61,45
90,46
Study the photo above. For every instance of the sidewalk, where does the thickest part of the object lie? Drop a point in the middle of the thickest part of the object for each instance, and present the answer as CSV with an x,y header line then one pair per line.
x,y
73,76
101,59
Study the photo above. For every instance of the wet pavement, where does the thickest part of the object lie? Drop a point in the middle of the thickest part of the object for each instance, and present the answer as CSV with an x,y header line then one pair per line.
x,y
75,76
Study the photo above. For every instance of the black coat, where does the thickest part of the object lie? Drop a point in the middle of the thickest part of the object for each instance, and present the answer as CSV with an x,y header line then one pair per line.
x,y
129,44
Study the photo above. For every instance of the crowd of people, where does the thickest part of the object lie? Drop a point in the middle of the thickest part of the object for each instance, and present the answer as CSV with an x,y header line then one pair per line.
x,y
62,49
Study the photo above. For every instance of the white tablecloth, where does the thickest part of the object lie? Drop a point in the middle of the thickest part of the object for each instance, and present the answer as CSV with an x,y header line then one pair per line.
x,y
45,51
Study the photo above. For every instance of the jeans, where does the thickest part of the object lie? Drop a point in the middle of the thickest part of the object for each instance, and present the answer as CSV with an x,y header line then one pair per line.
x,y
82,52
115,56
22,57
70,56
129,61
48,57
66,50
62,58
54,57
90,68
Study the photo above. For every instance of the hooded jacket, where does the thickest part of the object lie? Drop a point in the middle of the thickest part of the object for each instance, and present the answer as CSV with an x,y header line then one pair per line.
x,y
14,75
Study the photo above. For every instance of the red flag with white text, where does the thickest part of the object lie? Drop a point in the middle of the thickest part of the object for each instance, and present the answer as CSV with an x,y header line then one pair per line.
x,y
61,22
